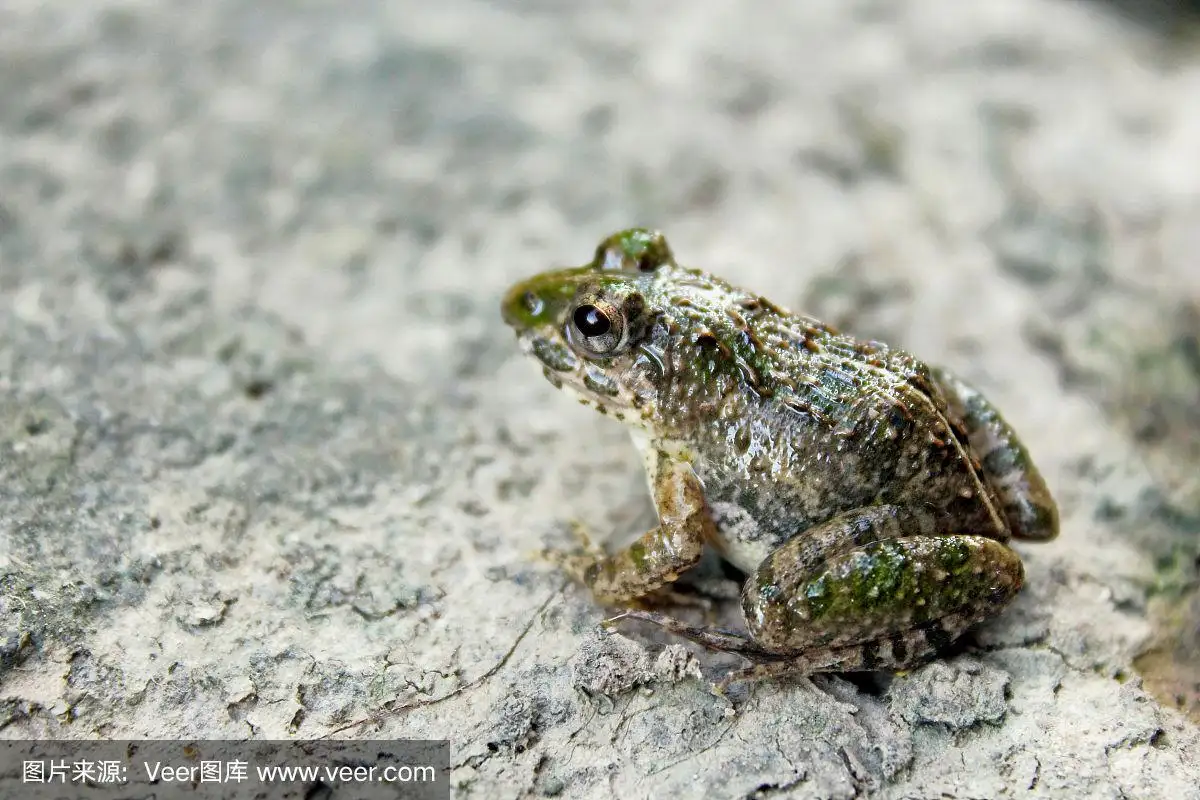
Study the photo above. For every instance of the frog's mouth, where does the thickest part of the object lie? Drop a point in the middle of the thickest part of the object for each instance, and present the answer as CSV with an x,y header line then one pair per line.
x,y
591,382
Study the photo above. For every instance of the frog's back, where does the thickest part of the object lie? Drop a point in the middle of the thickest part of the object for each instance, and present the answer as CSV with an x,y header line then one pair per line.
x,y
808,423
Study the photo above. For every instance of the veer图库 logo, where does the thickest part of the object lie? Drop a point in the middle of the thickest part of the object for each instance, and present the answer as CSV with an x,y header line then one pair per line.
x,y
98,770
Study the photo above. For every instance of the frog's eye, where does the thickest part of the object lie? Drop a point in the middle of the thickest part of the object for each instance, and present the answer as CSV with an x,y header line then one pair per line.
x,y
598,327
591,321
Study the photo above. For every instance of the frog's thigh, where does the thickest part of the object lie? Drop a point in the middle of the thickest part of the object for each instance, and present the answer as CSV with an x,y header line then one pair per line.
x,y
1027,505
882,605
661,554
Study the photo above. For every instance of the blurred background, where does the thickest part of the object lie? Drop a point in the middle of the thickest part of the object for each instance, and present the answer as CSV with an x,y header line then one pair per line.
x,y
270,462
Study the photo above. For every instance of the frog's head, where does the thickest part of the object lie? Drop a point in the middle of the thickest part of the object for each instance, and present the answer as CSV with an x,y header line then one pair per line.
x,y
588,326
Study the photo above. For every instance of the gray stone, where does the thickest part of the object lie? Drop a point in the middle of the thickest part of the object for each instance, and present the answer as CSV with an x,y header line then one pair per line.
x,y
956,694
271,465
609,664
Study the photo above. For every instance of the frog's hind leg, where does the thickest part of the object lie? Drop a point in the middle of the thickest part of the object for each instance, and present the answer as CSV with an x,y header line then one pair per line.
x,y
880,587
1026,502
871,600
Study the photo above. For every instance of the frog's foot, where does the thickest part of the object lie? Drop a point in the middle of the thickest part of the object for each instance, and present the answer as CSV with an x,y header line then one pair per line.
x,y
898,651
719,639
865,657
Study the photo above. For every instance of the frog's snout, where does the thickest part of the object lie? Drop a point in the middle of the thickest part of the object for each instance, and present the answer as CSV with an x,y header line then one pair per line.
x,y
540,301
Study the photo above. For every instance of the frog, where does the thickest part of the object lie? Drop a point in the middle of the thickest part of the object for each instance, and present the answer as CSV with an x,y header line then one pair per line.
x,y
870,498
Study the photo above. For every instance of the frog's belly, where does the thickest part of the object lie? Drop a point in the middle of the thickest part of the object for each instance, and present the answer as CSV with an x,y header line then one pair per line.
x,y
745,543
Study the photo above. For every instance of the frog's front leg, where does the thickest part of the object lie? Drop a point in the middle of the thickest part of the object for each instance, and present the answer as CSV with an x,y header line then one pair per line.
x,y
881,587
659,556
1025,500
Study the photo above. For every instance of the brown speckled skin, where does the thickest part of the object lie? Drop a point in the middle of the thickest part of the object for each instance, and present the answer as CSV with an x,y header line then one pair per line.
x,y
869,495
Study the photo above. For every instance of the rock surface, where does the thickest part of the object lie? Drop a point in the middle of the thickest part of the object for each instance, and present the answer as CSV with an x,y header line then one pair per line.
x,y
270,465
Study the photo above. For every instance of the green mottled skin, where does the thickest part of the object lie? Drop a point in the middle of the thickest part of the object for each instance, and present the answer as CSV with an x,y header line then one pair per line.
x,y
869,496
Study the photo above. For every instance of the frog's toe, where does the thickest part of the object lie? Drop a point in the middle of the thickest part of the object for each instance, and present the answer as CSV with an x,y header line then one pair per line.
x,y
572,562
797,668
584,540
578,561
713,638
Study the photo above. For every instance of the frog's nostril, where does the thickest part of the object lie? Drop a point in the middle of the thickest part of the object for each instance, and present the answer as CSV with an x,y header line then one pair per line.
x,y
521,306
533,304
